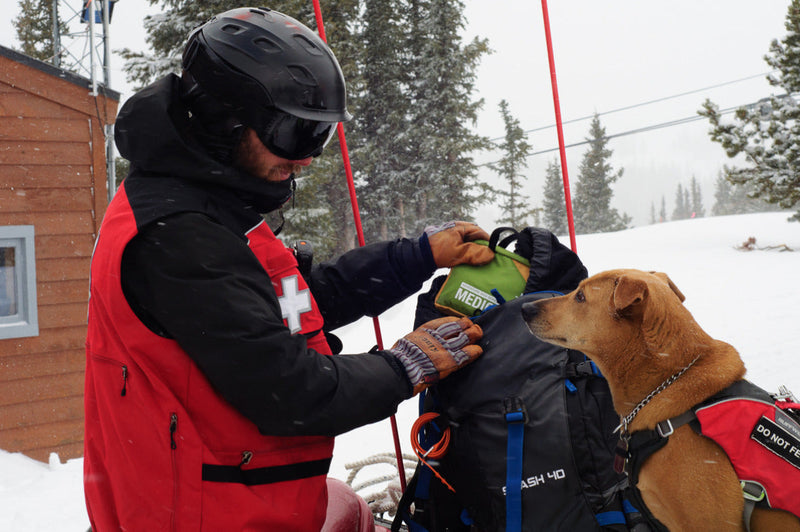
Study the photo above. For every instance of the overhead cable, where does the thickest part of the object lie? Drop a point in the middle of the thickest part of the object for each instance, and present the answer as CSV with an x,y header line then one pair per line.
x,y
642,104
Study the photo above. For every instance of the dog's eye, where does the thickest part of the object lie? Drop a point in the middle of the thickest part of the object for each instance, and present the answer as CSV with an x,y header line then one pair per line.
x,y
579,296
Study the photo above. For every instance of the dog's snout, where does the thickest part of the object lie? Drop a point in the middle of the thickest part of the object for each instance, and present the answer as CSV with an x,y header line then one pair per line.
x,y
529,311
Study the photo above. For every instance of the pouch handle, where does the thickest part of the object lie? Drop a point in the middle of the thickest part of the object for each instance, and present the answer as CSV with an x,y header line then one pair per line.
x,y
494,239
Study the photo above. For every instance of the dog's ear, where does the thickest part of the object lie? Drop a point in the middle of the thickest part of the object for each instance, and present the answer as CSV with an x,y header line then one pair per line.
x,y
628,292
663,277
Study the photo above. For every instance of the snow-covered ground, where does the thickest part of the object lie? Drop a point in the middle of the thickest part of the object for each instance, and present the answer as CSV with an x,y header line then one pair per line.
x,y
747,298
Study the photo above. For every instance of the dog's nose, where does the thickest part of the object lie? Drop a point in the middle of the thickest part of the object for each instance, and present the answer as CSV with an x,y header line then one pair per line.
x,y
529,311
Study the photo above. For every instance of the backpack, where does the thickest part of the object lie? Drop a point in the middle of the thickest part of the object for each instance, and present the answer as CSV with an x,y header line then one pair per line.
x,y
531,443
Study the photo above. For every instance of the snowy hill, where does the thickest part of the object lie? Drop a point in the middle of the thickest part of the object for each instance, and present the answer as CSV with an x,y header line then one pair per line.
x,y
746,298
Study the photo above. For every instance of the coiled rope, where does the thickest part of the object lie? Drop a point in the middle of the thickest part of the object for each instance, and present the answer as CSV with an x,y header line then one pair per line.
x,y
437,450
385,500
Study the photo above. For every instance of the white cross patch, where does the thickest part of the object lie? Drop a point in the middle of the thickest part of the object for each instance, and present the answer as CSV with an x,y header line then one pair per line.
x,y
293,302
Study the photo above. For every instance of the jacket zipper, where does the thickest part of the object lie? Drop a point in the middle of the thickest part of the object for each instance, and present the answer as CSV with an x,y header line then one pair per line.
x,y
246,457
173,429
124,381
119,364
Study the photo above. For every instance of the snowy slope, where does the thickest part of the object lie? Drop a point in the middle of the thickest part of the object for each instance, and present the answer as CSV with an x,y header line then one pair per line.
x,y
747,298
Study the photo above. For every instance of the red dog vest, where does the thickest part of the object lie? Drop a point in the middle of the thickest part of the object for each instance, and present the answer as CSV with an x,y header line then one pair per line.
x,y
762,442
760,437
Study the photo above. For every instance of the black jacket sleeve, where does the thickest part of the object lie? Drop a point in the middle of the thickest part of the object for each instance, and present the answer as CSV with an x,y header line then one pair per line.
x,y
195,281
369,280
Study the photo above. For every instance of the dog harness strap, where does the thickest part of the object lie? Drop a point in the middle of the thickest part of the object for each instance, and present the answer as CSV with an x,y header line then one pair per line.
x,y
753,493
516,418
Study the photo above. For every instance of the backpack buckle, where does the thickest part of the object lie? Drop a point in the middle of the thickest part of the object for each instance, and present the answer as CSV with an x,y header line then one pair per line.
x,y
515,410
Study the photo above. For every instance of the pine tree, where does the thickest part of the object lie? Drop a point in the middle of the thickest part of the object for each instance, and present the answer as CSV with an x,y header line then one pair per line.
x,y
166,36
652,213
662,213
696,209
515,206
34,27
412,139
383,108
681,210
723,192
592,209
687,203
553,204
767,133
443,174
734,199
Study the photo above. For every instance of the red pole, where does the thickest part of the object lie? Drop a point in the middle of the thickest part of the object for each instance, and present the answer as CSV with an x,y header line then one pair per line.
x,y
361,242
561,148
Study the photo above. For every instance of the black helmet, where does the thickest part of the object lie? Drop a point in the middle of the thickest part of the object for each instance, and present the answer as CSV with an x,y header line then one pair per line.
x,y
267,71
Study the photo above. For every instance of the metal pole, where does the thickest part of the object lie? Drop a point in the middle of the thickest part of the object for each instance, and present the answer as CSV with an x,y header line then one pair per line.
x,y
90,14
56,36
111,177
106,45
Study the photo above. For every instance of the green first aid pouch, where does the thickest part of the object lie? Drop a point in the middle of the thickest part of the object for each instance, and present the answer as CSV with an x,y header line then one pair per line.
x,y
467,291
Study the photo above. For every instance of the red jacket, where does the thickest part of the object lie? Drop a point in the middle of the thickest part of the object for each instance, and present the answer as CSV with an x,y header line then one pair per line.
x,y
163,451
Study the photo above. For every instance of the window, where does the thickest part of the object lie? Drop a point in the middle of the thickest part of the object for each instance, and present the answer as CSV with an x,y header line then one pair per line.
x,y
18,313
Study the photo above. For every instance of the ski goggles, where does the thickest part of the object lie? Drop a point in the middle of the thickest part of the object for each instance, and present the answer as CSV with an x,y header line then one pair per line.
x,y
295,138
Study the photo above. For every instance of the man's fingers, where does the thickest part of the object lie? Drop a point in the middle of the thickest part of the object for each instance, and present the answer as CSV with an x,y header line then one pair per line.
x,y
473,352
471,231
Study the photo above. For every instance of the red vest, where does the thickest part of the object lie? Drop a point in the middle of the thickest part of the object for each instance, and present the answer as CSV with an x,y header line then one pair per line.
x,y
163,451
762,443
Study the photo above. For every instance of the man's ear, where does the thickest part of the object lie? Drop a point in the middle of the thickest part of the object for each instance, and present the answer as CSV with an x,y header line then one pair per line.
x,y
628,293
663,277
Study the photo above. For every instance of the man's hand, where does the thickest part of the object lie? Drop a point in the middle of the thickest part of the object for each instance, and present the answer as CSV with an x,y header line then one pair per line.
x,y
436,349
451,244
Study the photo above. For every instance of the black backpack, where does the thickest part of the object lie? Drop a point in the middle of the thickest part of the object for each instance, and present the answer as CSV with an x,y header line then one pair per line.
x,y
526,414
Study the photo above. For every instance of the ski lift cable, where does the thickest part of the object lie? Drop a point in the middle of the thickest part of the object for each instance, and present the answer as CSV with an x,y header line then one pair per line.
x,y
642,104
644,129
361,241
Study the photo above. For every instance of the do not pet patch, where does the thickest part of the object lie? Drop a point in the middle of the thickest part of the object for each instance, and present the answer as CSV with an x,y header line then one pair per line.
x,y
778,440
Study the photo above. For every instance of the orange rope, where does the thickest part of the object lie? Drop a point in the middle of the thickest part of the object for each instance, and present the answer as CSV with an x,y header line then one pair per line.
x,y
437,450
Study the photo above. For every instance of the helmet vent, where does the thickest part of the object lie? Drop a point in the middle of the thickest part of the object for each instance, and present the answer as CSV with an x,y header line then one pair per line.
x,y
307,45
232,29
267,45
302,75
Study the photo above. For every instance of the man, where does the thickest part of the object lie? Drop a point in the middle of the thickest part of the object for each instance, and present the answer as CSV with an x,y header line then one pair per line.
x,y
211,396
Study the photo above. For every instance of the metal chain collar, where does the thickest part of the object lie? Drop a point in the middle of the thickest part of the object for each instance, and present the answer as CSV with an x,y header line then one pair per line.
x,y
624,422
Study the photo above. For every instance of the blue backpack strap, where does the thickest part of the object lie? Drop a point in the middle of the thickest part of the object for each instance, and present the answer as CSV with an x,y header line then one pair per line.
x,y
516,417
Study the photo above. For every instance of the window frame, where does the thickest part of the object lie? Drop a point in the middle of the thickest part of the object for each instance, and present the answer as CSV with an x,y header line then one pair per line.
x,y
25,322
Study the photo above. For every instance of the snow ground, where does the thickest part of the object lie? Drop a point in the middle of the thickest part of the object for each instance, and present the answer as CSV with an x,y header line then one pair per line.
x,y
746,298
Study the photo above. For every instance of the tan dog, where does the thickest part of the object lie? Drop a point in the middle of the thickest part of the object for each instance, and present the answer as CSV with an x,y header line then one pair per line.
x,y
633,325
